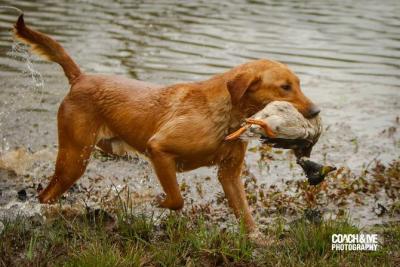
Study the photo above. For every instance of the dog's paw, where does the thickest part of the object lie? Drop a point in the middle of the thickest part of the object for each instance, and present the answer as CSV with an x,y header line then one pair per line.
x,y
163,201
158,200
260,239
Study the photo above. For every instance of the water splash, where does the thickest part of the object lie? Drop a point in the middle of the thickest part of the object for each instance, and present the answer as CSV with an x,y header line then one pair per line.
x,y
21,52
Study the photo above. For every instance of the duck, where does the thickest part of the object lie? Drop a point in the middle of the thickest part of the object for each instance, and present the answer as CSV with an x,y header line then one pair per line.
x,y
281,125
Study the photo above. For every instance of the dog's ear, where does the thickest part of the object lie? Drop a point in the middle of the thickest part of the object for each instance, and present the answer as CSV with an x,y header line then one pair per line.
x,y
241,83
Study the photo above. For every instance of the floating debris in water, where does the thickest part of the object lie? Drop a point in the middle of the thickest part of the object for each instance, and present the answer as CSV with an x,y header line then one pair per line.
x,y
22,195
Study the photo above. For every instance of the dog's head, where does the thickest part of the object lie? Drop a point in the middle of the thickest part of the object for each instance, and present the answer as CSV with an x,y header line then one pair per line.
x,y
260,82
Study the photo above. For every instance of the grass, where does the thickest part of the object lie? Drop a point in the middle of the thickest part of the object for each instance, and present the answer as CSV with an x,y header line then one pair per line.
x,y
125,236
138,239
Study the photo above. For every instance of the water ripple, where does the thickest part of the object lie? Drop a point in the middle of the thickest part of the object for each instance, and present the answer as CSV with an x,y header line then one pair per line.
x,y
168,41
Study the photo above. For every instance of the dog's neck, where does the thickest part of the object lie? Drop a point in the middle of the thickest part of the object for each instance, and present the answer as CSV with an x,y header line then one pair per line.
x,y
243,110
240,111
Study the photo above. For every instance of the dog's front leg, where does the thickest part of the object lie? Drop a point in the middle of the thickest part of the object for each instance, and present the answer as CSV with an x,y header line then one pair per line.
x,y
229,172
165,168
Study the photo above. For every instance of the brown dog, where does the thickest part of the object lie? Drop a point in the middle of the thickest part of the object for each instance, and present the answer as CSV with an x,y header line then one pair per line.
x,y
178,127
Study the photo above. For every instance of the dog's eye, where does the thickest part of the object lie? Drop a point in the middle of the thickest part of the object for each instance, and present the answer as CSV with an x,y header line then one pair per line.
x,y
286,87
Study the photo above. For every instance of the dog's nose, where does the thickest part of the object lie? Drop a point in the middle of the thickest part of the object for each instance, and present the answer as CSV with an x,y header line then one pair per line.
x,y
313,111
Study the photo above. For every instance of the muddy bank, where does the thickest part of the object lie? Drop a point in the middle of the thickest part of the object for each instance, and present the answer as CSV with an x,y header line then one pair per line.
x,y
367,199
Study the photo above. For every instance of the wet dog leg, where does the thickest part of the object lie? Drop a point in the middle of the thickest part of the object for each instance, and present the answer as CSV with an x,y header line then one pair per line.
x,y
114,147
229,175
165,168
70,165
76,137
105,146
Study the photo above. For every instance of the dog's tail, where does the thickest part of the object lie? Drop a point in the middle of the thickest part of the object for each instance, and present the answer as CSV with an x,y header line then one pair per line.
x,y
46,47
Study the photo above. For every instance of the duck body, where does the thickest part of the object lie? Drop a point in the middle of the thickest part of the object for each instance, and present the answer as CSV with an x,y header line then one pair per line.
x,y
282,126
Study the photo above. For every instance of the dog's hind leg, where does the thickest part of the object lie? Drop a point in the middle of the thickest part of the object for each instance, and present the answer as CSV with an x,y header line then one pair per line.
x,y
77,136
114,146
105,145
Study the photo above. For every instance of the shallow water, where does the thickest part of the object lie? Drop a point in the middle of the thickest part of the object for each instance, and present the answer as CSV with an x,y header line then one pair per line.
x,y
347,54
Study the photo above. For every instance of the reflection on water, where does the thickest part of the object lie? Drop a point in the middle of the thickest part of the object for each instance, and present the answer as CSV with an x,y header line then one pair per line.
x,y
167,41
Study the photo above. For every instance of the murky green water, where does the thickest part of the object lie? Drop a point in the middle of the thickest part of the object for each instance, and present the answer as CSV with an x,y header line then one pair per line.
x,y
347,54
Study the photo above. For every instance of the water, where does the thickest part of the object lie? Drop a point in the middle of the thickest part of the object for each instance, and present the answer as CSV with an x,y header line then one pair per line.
x,y
166,41
347,54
